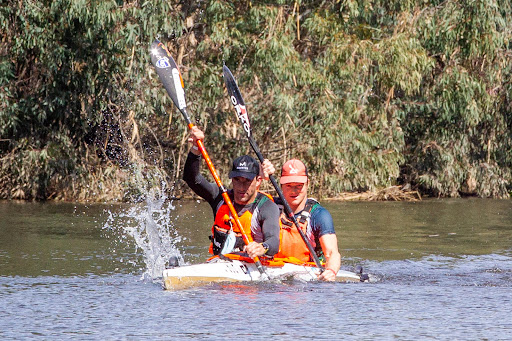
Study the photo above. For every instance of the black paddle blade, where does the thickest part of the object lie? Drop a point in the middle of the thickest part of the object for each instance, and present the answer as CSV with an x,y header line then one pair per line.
x,y
169,74
236,99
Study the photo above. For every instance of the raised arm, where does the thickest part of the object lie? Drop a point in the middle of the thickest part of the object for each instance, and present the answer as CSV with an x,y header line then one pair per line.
x,y
191,173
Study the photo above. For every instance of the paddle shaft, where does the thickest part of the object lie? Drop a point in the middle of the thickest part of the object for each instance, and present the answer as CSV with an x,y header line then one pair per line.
x,y
287,208
238,102
247,238
170,76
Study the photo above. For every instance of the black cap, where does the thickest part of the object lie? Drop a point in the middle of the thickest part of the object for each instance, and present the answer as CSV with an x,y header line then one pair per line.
x,y
245,166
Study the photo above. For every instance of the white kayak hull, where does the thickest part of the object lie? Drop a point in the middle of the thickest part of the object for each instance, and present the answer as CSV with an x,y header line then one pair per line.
x,y
221,270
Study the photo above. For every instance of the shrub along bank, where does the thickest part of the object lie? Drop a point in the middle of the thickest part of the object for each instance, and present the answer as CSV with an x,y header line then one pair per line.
x,y
370,94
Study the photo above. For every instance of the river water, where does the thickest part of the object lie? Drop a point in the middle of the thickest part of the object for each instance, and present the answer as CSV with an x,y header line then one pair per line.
x,y
441,269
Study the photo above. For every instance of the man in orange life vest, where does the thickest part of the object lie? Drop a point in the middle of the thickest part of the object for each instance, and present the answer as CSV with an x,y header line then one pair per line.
x,y
259,215
315,220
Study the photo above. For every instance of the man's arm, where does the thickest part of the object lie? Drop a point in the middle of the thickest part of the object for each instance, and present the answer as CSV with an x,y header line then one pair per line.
x,y
270,227
269,215
329,244
197,183
324,226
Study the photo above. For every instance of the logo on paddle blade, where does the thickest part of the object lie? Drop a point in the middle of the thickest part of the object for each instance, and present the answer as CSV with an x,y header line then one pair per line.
x,y
241,112
163,63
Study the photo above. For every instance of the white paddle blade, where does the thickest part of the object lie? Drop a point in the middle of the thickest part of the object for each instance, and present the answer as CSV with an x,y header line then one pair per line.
x,y
169,74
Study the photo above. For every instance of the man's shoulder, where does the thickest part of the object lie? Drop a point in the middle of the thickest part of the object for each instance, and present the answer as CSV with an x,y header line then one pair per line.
x,y
319,210
320,214
263,197
322,221
316,204
266,203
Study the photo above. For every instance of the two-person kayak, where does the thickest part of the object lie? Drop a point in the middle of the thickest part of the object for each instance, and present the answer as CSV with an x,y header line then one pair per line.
x,y
242,269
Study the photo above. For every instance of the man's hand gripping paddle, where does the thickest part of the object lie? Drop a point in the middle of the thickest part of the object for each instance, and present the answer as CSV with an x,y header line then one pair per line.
x,y
170,76
236,99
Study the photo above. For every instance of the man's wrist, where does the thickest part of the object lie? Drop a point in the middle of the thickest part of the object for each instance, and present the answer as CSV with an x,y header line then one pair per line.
x,y
329,269
265,247
195,150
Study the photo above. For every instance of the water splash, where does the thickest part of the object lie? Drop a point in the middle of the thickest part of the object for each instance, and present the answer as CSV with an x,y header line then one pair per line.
x,y
150,225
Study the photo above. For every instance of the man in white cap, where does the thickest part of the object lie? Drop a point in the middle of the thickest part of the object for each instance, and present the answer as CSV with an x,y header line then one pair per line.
x,y
315,221
258,214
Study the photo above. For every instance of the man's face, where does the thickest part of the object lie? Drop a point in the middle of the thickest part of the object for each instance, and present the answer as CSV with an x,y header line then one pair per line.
x,y
295,193
245,189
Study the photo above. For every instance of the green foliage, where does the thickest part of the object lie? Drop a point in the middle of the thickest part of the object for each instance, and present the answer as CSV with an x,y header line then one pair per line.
x,y
70,73
369,93
458,129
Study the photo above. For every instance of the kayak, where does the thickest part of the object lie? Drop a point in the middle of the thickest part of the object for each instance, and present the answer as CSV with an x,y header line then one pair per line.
x,y
237,270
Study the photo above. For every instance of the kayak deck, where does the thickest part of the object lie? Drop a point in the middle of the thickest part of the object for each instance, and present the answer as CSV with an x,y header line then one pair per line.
x,y
222,270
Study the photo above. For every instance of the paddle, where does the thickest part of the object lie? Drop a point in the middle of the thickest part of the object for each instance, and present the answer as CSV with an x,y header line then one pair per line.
x,y
241,112
170,76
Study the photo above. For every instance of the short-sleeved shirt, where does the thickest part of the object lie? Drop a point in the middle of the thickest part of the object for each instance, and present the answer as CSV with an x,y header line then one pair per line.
x,y
320,224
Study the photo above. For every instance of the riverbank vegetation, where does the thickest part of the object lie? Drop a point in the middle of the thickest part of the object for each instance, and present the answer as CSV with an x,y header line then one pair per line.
x,y
373,95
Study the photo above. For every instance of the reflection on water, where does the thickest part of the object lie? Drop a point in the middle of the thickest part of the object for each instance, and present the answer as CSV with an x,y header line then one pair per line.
x,y
70,271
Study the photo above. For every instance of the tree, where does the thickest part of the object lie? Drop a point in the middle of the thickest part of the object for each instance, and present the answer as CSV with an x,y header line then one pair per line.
x,y
369,93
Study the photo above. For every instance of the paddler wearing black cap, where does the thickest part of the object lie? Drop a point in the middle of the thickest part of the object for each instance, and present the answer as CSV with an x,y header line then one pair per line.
x,y
258,214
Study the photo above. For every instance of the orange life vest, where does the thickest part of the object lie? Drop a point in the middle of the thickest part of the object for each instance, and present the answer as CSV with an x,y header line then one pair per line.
x,y
272,262
292,244
248,219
